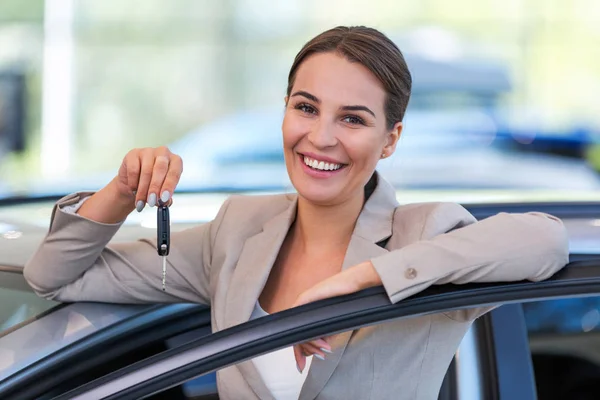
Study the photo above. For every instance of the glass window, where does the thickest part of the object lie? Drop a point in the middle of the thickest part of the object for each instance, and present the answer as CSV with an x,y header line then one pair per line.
x,y
564,337
18,303
56,329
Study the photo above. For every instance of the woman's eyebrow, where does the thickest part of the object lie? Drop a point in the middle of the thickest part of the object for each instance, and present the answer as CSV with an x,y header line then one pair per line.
x,y
307,95
358,108
344,108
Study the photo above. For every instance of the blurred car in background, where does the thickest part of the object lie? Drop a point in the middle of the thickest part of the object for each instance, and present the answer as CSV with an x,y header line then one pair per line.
x,y
446,143
456,136
453,137
452,150
451,68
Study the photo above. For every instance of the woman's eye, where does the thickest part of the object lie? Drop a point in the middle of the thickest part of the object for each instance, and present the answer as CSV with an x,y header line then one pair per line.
x,y
305,108
354,120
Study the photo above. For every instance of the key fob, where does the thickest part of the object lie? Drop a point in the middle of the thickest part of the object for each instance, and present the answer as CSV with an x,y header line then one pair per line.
x,y
163,230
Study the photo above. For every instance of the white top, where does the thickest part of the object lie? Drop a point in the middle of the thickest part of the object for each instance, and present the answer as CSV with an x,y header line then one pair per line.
x,y
278,369
73,208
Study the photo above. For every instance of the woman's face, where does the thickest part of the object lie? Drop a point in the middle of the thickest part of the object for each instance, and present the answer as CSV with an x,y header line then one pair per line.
x,y
334,129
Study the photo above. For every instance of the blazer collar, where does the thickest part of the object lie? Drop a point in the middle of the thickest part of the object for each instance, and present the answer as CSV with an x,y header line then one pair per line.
x,y
376,218
259,253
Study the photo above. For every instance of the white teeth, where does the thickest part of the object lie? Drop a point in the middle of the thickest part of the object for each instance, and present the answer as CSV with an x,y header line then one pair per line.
x,y
321,165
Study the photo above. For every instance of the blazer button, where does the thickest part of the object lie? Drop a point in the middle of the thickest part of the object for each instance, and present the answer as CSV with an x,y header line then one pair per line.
x,y
410,273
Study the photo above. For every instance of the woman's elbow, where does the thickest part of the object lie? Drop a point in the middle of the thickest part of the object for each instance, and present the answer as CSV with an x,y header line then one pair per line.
x,y
554,244
37,283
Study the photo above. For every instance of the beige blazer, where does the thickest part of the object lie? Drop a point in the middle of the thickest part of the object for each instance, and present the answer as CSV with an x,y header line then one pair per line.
x,y
226,262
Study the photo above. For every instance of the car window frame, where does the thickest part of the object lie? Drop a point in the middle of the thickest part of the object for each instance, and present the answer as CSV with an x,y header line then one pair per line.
x,y
330,316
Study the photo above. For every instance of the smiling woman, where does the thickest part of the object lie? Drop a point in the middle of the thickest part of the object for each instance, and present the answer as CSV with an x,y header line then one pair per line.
x,y
342,232
331,121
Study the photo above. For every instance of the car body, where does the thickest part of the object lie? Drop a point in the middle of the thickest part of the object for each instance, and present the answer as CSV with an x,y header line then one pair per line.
x,y
94,350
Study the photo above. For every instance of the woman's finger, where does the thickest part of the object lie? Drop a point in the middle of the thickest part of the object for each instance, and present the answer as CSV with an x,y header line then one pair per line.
x,y
132,167
310,349
159,173
172,178
322,345
300,358
145,177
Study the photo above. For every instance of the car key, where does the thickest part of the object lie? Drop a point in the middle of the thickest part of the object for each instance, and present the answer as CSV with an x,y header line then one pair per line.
x,y
163,238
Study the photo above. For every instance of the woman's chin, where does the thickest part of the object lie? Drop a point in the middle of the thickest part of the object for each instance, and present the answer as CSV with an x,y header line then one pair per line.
x,y
322,199
319,194
319,191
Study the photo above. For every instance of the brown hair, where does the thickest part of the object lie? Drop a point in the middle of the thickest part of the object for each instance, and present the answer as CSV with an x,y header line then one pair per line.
x,y
373,50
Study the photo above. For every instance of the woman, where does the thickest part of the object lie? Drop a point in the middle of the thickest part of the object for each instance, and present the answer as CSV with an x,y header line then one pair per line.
x,y
344,231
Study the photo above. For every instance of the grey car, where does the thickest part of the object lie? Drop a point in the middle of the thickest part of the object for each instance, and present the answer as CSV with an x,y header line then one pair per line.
x,y
117,351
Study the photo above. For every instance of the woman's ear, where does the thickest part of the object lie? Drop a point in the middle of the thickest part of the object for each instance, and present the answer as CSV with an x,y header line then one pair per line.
x,y
285,99
392,139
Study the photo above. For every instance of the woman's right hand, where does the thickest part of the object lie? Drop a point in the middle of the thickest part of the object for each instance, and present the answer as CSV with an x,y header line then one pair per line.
x,y
145,176
149,175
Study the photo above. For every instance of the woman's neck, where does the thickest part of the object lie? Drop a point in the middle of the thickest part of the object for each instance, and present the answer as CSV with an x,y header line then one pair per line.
x,y
320,228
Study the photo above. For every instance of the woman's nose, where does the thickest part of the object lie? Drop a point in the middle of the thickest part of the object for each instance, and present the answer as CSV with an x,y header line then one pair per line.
x,y
322,135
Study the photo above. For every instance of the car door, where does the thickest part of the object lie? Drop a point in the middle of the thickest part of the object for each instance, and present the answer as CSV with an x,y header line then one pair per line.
x,y
504,371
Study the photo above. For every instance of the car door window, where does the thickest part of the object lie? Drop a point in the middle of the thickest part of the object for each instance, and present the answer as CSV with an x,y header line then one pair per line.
x,y
92,339
56,330
564,337
18,303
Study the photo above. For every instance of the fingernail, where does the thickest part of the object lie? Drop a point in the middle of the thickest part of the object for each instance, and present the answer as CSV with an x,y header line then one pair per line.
x,y
298,368
320,357
139,206
165,196
152,200
324,350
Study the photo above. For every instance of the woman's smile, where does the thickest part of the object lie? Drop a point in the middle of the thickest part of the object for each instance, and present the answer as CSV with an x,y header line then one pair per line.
x,y
320,167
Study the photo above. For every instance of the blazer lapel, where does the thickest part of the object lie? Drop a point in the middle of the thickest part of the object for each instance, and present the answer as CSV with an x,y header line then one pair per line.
x,y
254,265
373,225
248,280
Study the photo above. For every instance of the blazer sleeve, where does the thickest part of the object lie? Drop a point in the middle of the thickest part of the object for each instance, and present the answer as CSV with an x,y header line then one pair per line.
x,y
456,248
75,262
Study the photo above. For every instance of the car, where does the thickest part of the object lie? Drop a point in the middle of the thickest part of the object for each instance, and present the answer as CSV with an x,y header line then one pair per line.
x,y
454,137
442,62
117,351
436,150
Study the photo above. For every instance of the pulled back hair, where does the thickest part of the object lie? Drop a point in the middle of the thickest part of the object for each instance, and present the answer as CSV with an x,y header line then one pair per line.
x,y
373,50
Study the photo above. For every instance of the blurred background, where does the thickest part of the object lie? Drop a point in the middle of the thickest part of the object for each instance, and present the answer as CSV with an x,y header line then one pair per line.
x,y
505,91
504,108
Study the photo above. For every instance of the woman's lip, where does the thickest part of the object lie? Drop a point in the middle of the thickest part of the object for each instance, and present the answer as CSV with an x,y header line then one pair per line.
x,y
321,158
317,173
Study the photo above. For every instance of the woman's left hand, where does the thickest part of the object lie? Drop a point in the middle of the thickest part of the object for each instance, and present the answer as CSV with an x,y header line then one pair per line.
x,y
351,280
